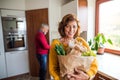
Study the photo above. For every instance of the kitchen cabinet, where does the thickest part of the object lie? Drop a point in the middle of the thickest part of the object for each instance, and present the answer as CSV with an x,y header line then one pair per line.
x,y
17,62
12,13
3,72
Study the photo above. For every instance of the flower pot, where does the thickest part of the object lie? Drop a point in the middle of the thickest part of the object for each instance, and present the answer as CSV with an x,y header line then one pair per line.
x,y
100,50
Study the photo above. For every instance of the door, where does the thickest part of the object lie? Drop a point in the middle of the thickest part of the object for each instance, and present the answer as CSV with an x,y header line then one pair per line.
x,y
34,18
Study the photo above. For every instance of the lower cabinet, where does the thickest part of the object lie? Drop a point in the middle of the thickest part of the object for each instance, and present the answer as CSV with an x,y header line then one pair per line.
x,y
103,76
17,63
3,72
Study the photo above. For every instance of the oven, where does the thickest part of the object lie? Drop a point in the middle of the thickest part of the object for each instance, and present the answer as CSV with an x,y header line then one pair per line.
x,y
14,33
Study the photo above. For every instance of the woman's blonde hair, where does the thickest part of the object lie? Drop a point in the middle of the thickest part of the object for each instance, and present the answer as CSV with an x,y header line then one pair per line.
x,y
65,20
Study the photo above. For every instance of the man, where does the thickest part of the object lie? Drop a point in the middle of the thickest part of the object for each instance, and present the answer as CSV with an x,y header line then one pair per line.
x,y
42,48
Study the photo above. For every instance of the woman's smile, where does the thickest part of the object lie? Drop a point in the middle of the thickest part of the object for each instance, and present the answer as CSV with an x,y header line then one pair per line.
x,y
71,29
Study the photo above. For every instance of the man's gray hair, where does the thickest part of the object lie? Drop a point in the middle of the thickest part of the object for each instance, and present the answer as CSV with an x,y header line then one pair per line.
x,y
44,25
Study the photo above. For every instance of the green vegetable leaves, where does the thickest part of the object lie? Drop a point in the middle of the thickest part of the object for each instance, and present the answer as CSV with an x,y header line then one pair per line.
x,y
88,53
59,49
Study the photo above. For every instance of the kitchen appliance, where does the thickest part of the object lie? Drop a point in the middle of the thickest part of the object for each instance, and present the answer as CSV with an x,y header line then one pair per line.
x,y
14,33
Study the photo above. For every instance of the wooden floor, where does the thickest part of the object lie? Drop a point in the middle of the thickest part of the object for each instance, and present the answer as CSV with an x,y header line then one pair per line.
x,y
22,77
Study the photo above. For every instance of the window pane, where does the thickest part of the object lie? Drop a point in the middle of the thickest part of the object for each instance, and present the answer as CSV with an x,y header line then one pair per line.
x,y
109,22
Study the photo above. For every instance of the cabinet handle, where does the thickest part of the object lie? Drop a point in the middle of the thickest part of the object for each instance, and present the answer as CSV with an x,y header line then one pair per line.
x,y
101,78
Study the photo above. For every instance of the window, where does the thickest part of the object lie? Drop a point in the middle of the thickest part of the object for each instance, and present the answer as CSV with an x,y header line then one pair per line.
x,y
108,22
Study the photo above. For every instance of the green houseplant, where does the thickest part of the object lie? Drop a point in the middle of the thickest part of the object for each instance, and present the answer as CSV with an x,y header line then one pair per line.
x,y
97,43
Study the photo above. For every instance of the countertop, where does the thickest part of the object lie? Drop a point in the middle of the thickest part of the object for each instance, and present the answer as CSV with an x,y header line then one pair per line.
x,y
109,64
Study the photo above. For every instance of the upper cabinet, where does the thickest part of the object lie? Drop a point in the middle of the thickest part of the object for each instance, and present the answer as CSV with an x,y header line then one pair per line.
x,y
12,13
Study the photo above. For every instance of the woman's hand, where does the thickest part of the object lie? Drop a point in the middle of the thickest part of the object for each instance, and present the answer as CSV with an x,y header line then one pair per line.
x,y
81,76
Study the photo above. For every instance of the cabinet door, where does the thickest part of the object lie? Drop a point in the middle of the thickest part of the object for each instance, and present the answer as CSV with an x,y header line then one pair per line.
x,y
3,73
17,63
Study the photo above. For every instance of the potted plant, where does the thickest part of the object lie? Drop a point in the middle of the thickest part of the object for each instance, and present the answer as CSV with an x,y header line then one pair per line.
x,y
97,43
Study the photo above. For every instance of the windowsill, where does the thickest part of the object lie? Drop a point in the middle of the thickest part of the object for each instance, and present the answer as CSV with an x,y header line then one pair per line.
x,y
109,64
112,51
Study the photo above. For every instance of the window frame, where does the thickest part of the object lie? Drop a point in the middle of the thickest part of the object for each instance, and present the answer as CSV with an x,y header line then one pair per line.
x,y
98,2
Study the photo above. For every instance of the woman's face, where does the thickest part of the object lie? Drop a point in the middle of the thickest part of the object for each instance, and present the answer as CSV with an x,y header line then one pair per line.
x,y
71,29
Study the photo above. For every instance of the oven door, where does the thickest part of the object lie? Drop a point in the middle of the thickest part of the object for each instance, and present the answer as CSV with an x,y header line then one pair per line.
x,y
14,42
14,31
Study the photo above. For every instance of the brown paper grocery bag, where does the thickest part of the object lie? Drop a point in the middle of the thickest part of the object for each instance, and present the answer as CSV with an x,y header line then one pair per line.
x,y
73,60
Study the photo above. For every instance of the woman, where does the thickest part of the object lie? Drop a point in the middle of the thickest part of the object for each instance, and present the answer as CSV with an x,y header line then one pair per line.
x,y
69,29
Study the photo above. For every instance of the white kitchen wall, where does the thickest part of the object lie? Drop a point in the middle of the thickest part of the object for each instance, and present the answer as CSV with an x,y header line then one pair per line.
x,y
36,4
54,17
83,16
70,7
91,19
13,4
